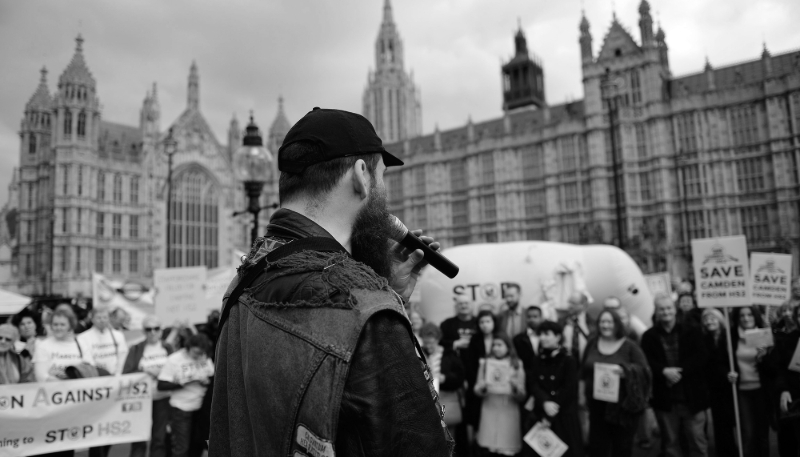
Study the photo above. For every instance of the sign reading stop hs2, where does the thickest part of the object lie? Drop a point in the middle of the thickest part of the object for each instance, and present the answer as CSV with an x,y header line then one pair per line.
x,y
721,271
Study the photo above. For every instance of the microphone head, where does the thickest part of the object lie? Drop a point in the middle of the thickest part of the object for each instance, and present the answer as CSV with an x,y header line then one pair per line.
x,y
398,229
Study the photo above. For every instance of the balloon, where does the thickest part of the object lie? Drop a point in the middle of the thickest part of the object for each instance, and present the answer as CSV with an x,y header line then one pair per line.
x,y
546,274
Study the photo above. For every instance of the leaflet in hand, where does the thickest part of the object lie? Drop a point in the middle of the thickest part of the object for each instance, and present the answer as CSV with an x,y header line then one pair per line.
x,y
544,441
759,337
498,376
606,382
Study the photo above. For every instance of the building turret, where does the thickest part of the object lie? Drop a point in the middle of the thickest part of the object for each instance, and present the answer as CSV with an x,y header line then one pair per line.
x,y
278,130
77,108
661,44
523,77
766,60
586,41
646,25
234,136
388,46
150,115
709,71
35,127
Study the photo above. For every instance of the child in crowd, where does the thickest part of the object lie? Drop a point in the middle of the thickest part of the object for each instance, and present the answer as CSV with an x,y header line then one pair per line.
x,y
501,384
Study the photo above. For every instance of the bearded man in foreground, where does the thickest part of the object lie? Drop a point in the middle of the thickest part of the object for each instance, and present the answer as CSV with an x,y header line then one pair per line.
x,y
316,356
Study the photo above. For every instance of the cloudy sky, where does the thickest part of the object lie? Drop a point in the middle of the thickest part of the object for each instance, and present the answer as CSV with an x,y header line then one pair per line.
x,y
318,52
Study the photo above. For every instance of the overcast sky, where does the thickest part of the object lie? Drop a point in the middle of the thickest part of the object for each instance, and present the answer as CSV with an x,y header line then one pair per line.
x,y
318,52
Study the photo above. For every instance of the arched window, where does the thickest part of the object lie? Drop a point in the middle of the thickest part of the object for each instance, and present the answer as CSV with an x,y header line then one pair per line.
x,y
194,217
67,123
32,144
82,124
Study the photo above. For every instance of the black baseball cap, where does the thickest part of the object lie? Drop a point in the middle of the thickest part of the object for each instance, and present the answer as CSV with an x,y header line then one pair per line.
x,y
337,134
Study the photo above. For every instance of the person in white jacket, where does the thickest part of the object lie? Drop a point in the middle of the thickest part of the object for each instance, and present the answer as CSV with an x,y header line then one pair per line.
x,y
106,346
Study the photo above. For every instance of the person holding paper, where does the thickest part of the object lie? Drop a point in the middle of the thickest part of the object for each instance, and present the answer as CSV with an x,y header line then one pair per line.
x,y
613,425
677,358
106,345
787,360
722,410
480,346
754,401
501,384
553,381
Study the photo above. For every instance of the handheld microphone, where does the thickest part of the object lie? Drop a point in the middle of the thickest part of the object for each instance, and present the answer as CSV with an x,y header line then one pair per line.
x,y
402,235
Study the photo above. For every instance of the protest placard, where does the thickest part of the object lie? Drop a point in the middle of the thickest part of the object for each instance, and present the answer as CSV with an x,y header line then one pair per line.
x,y
721,271
770,278
40,418
180,294
759,337
659,282
606,382
498,376
544,441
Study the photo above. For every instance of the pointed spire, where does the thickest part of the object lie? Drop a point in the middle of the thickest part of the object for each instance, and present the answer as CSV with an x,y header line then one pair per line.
x,y
388,17
584,26
41,97
765,52
193,95
77,72
280,126
155,91
708,66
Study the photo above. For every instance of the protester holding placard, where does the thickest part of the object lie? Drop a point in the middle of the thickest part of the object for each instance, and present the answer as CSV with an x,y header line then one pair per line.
x,y
14,368
59,350
722,410
552,379
106,345
149,357
787,384
677,358
187,374
754,400
613,425
501,385
480,346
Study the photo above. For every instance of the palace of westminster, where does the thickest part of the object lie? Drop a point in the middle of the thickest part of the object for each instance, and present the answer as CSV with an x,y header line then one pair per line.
x,y
646,161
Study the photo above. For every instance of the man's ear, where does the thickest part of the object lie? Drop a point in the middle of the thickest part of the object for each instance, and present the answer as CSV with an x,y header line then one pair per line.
x,y
361,178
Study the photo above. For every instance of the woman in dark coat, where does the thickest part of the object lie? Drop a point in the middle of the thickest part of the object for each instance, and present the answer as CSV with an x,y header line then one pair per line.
x,y
719,386
787,385
553,381
479,347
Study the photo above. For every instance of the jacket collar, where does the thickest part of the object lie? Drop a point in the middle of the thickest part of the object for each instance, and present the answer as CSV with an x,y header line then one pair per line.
x,y
286,223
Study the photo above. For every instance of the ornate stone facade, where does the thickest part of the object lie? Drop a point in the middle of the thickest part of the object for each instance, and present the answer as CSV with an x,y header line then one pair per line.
x,y
90,195
391,99
708,154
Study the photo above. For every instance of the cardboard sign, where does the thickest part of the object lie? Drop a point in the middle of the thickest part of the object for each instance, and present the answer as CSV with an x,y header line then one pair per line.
x,y
606,382
498,376
794,364
721,271
544,441
180,294
759,337
57,416
770,280
659,282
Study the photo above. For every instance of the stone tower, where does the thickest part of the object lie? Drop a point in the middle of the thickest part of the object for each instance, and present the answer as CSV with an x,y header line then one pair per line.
x,y
150,116
523,77
391,99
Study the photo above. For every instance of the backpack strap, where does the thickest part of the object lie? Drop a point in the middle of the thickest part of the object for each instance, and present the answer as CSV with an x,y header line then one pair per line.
x,y
314,243
80,351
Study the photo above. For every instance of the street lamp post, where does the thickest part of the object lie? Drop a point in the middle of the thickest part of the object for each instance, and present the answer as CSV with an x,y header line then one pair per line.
x,y
170,146
609,89
251,165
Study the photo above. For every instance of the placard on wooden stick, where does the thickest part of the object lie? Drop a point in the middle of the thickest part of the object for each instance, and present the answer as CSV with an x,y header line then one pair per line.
x,y
721,271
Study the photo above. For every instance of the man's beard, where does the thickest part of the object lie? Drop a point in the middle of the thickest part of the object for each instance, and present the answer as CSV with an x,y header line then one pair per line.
x,y
371,229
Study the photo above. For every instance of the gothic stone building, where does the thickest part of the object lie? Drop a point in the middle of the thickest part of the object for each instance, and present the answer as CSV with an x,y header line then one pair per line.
x,y
90,195
708,154
391,99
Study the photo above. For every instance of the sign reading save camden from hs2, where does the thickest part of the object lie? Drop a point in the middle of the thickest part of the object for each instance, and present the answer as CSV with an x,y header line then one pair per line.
x,y
38,418
771,278
721,271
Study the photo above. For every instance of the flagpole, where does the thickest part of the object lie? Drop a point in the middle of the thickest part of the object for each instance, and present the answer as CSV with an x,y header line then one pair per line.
x,y
733,385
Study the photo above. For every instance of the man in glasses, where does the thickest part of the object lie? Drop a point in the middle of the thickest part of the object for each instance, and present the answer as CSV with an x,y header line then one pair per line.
x,y
149,357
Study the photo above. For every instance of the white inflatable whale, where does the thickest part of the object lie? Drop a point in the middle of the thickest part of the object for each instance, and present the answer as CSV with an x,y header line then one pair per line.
x,y
546,272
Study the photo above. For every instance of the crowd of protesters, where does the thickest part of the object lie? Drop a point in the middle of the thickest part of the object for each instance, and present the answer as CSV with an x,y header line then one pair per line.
x,y
54,345
676,379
